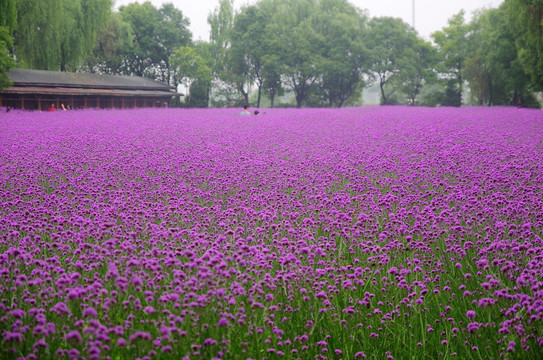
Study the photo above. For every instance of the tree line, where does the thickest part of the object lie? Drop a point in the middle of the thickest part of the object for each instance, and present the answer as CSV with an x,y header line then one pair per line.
x,y
320,53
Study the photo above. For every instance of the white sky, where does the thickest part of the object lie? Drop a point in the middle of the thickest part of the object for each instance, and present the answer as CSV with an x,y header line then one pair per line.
x,y
430,15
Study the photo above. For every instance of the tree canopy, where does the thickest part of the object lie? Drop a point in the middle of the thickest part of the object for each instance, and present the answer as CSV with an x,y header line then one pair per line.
x,y
157,33
6,60
525,18
8,24
58,34
309,52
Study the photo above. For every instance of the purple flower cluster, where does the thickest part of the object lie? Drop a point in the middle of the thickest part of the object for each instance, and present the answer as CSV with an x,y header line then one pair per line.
x,y
389,232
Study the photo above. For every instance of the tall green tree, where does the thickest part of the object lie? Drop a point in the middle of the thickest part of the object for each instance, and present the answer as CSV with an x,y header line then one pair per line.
x,y
8,14
8,24
143,58
114,41
476,67
254,42
525,18
221,22
89,18
200,87
418,69
173,32
248,49
198,94
345,57
190,66
293,36
58,34
492,68
40,32
157,33
271,69
453,46
389,40
6,59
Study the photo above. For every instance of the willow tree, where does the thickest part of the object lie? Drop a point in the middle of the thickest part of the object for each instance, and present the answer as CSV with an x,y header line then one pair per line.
x,y
58,34
6,59
8,14
112,43
8,23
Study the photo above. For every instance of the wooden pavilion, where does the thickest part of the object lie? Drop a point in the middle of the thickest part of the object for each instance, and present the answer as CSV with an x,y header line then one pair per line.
x,y
38,89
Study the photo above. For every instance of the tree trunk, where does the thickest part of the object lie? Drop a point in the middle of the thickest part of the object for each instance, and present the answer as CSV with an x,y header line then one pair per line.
x,y
299,101
272,97
460,86
383,95
244,93
490,92
259,95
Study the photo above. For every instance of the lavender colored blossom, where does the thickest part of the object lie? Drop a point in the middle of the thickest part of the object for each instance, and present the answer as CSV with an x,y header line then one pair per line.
x,y
312,232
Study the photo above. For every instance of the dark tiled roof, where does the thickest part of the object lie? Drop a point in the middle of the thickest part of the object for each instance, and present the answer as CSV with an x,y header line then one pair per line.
x,y
24,77
66,91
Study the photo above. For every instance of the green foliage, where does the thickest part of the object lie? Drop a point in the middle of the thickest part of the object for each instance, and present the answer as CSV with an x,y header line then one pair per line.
x,y
58,34
199,94
143,55
8,14
157,33
525,17
221,22
418,69
189,65
392,44
192,70
114,41
453,46
345,57
492,66
315,48
320,52
248,49
300,44
6,59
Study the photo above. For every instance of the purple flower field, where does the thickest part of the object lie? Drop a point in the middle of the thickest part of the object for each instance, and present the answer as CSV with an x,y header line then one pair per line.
x,y
359,233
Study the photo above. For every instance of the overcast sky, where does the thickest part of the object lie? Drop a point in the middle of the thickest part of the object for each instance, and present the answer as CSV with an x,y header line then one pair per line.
x,y
430,15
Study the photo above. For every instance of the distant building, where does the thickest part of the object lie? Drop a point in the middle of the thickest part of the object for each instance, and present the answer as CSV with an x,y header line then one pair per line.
x,y
38,89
